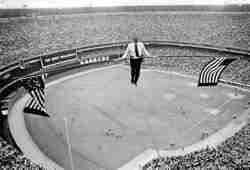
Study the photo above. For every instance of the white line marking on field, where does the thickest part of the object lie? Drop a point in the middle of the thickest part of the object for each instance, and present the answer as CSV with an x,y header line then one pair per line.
x,y
169,96
192,84
205,96
212,111
223,104
235,96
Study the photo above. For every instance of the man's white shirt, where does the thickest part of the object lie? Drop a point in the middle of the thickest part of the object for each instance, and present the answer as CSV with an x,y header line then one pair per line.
x,y
130,51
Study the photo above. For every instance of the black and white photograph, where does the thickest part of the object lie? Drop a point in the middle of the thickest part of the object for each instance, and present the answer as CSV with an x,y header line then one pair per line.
x,y
124,84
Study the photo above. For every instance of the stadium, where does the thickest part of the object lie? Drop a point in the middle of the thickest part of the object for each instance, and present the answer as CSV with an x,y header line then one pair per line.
x,y
96,119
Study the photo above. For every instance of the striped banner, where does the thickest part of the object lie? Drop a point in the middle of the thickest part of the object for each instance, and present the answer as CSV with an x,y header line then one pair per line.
x,y
211,72
36,105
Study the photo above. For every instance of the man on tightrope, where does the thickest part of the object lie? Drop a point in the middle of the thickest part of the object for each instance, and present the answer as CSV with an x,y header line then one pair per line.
x,y
135,51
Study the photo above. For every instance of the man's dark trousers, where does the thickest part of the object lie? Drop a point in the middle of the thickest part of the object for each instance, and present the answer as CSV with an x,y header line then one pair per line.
x,y
135,69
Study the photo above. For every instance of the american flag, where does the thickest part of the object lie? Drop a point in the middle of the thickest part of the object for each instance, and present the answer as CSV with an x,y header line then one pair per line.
x,y
35,87
211,72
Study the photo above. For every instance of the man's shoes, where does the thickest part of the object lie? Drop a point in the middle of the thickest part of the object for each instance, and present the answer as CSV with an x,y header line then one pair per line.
x,y
134,83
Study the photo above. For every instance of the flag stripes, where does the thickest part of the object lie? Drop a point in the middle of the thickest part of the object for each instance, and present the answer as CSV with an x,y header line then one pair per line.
x,y
37,99
37,103
211,72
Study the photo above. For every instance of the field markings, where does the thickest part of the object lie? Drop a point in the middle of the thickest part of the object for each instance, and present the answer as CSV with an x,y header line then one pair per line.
x,y
212,111
205,96
191,84
169,96
235,96
223,104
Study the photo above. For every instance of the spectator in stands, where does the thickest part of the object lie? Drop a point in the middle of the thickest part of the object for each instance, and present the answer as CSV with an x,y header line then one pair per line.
x,y
21,63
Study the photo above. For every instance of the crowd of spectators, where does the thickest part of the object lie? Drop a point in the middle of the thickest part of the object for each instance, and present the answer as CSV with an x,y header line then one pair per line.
x,y
12,159
31,37
232,154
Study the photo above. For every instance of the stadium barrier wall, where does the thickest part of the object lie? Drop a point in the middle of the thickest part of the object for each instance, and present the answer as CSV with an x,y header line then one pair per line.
x,y
64,60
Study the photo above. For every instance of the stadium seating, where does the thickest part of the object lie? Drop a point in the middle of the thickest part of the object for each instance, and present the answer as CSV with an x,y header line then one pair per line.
x,y
11,158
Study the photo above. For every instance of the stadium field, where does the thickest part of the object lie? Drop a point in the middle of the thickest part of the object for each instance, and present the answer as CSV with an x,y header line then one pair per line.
x,y
111,121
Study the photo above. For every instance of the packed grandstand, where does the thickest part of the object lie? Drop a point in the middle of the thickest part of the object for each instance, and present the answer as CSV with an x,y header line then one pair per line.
x,y
26,37
11,158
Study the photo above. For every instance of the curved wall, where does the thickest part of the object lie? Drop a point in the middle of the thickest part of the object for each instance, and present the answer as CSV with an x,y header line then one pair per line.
x,y
24,140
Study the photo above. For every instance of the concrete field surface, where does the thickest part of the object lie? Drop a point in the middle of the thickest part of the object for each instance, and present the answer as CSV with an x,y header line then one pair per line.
x,y
111,121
